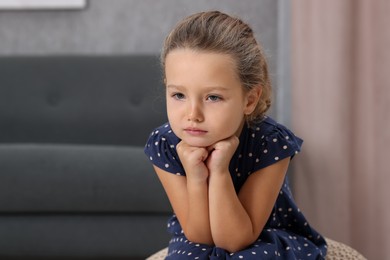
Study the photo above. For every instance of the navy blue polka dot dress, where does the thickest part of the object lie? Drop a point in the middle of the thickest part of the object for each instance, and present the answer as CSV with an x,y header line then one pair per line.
x,y
287,234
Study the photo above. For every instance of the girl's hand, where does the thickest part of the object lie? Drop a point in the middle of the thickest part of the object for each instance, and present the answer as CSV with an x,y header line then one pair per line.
x,y
220,154
193,160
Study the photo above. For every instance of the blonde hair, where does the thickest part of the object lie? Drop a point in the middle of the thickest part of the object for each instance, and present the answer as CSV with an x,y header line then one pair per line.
x,y
218,32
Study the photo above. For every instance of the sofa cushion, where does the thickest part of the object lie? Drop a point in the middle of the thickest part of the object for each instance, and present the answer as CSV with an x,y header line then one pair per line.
x,y
78,178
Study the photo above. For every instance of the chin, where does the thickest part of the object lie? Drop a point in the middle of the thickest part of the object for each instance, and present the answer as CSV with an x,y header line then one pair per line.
x,y
198,143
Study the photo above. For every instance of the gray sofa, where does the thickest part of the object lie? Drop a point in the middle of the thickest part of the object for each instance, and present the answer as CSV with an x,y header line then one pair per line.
x,y
74,182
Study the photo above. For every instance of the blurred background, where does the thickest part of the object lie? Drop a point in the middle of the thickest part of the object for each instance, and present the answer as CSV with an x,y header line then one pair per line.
x,y
329,61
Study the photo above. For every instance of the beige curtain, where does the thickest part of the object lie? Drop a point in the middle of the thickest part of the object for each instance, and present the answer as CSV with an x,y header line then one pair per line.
x,y
341,107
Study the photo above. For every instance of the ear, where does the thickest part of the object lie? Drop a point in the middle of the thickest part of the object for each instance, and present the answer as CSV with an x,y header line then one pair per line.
x,y
251,99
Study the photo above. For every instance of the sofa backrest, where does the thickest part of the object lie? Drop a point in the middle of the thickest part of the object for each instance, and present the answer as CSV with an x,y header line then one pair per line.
x,y
80,99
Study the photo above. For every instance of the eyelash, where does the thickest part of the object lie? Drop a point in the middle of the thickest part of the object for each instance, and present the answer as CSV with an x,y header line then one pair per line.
x,y
176,96
211,98
214,98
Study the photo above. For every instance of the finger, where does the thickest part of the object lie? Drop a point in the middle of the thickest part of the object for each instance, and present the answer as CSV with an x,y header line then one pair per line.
x,y
211,148
205,155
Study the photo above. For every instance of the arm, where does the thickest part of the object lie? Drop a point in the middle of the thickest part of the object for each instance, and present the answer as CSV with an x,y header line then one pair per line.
x,y
189,195
237,220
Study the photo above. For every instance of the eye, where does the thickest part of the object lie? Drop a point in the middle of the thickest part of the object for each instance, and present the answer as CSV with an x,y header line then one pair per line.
x,y
178,96
214,98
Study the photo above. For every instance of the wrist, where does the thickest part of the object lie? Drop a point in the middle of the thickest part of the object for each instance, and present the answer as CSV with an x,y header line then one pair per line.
x,y
219,172
197,179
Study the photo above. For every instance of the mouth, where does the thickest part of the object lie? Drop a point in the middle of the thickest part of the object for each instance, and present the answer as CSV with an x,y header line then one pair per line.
x,y
195,131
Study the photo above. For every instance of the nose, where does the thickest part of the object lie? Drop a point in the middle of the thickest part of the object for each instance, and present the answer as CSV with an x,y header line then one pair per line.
x,y
195,112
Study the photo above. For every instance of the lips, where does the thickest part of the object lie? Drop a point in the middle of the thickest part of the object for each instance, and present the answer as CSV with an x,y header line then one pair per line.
x,y
195,131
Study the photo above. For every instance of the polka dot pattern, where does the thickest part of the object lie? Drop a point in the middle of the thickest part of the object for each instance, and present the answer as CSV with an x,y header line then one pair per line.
x,y
287,234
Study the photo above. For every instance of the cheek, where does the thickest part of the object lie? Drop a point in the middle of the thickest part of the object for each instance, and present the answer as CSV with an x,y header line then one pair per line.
x,y
171,109
229,121
174,117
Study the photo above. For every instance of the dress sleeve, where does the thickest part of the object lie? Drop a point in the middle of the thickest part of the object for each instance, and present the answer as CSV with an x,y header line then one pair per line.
x,y
161,150
276,144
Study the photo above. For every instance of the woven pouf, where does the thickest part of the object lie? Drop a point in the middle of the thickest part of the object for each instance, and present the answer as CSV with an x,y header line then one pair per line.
x,y
340,251
159,255
336,251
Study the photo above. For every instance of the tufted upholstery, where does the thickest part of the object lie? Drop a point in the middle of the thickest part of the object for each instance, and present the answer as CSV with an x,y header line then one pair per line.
x,y
80,100
74,181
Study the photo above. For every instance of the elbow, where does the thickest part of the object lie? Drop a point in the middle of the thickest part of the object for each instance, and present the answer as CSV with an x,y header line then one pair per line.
x,y
199,237
232,247
235,244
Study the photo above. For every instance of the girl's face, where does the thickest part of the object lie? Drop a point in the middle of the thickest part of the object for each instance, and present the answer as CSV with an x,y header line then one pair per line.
x,y
205,99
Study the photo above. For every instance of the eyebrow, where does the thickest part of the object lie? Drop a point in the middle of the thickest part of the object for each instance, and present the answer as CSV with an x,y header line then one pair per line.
x,y
208,88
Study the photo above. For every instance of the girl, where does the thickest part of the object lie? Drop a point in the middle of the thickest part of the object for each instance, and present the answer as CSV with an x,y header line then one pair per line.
x,y
220,159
